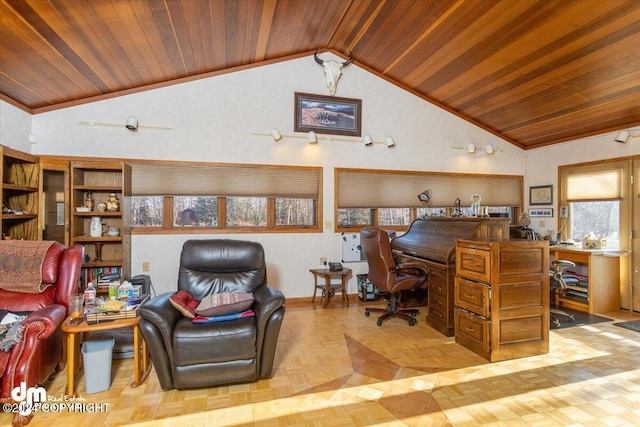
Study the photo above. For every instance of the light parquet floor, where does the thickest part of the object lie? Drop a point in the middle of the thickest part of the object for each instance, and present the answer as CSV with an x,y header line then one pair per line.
x,y
336,367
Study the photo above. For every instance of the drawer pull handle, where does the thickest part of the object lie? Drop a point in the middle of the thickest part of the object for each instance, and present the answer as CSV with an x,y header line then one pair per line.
x,y
469,329
468,296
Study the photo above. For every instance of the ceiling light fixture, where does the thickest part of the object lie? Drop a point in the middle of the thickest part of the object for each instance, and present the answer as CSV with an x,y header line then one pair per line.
x,y
390,142
367,141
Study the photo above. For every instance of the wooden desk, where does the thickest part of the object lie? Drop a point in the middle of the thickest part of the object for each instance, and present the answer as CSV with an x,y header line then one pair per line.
x,y
141,364
604,279
328,288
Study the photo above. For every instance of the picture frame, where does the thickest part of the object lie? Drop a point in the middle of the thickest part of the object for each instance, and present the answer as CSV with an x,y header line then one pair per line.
x,y
328,114
541,195
540,212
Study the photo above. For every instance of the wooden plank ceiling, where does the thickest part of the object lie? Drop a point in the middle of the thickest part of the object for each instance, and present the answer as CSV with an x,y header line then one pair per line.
x,y
535,72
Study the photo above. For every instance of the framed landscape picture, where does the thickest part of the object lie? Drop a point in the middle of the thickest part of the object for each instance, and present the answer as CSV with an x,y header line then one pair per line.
x,y
328,114
541,195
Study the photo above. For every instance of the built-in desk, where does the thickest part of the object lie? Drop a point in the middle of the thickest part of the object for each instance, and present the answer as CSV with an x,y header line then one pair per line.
x,y
603,274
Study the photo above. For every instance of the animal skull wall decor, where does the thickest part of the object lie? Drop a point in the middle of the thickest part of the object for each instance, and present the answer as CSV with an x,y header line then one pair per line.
x,y
332,71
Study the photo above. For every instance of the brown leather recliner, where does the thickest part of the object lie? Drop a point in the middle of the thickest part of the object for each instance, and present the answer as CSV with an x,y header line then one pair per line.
x,y
188,355
39,353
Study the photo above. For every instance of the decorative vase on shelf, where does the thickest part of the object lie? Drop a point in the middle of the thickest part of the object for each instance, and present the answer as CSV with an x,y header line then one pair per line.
x,y
113,204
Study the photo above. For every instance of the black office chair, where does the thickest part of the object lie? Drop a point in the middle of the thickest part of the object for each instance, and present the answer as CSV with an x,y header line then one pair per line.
x,y
388,276
558,285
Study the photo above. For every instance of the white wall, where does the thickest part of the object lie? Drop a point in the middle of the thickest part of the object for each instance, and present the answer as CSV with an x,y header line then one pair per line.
x,y
212,120
15,127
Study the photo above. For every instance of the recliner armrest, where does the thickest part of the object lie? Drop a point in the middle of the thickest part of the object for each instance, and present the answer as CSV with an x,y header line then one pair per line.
x,y
163,315
42,323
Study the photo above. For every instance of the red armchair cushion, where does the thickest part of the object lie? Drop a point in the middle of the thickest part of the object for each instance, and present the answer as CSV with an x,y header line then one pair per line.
x,y
185,303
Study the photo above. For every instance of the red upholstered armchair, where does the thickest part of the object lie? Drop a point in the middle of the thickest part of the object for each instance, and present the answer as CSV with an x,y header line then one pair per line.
x,y
39,353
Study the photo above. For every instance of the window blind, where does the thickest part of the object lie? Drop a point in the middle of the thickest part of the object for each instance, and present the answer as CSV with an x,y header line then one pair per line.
x,y
394,189
226,180
595,185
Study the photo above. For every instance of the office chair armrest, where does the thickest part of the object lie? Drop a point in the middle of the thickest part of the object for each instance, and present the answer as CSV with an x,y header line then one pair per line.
x,y
411,266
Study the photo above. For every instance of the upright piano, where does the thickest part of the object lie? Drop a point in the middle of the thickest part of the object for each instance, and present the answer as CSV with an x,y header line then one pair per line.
x,y
431,241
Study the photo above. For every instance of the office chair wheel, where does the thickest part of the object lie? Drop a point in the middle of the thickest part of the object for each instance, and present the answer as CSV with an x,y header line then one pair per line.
x,y
379,322
412,322
366,313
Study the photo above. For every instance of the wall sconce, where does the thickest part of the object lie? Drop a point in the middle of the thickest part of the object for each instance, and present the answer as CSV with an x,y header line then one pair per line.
x,y
132,124
367,141
312,137
390,142
275,134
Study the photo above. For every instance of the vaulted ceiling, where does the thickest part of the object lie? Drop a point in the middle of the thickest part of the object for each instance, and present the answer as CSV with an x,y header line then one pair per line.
x,y
535,72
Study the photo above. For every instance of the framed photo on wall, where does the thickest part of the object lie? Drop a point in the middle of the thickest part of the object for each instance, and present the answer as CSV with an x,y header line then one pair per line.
x,y
541,195
328,114
540,212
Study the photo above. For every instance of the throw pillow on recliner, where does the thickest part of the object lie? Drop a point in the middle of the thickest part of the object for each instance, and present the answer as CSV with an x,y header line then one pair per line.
x,y
185,303
224,303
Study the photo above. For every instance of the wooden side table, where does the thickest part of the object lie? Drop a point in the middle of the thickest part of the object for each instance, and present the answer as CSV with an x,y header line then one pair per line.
x,y
141,365
328,289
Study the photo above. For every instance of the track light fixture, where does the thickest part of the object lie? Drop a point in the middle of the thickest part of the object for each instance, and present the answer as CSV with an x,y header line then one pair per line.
x,y
471,148
275,134
132,124
312,138
623,136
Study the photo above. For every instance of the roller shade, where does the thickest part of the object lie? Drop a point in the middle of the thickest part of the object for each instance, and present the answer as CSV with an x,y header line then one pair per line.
x,y
394,189
595,185
225,180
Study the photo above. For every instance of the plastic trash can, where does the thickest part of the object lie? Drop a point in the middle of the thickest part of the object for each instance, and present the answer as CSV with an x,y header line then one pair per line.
x,y
96,356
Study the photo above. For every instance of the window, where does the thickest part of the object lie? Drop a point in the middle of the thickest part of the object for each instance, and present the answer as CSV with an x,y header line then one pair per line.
x,y
147,211
246,212
224,198
195,211
394,216
292,212
390,198
596,197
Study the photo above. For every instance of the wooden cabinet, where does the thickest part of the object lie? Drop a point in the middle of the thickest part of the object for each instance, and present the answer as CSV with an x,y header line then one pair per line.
x,y
501,298
20,196
602,272
105,254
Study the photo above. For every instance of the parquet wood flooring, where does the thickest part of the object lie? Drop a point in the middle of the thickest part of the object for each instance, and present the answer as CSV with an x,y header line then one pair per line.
x,y
336,367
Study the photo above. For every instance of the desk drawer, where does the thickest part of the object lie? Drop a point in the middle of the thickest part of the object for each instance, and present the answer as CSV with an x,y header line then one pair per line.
x,y
472,296
473,263
473,329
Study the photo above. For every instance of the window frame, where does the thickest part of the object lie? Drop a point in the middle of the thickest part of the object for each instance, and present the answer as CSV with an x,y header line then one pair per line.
x,y
413,206
270,227
626,206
